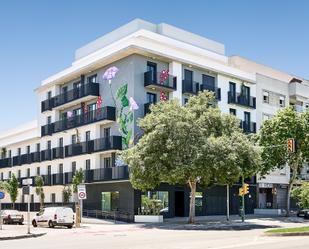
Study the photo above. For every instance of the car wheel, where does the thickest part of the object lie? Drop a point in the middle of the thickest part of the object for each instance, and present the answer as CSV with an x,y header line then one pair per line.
x,y
50,224
20,223
69,227
34,224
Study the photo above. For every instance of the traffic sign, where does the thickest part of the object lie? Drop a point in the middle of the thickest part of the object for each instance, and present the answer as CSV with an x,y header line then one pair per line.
x,y
26,190
81,192
27,181
2,195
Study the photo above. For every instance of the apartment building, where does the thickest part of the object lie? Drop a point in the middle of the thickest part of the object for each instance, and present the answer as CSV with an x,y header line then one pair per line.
x,y
78,124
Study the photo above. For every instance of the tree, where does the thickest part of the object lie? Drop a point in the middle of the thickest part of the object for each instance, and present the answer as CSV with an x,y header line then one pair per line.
x,y
67,194
78,178
191,144
39,190
273,137
12,189
3,186
301,194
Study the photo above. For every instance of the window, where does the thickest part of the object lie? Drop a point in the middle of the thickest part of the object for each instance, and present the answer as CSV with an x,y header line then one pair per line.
x,y
247,117
28,149
73,139
48,144
232,89
107,132
60,168
10,153
49,170
151,98
245,91
92,107
32,198
10,174
265,97
110,201
92,79
198,203
73,166
282,101
38,172
18,174
18,151
88,164
209,82
53,198
48,121
107,162
1,176
186,100
233,111
76,85
88,136
60,142
77,112
38,147
188,75
28,172
152,67
49,95
154,202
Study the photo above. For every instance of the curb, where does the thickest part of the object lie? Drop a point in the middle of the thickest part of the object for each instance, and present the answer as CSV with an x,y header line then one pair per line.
x,y
287,234
26,236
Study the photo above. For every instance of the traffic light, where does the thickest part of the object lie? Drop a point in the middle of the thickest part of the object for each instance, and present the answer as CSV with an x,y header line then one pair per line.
x,y
240,192
245,188
291,145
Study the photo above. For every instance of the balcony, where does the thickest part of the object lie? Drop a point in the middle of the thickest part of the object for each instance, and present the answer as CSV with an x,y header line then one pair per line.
x,y
248,127
78,149
46,155
25,159
5,162
154,83
104,113
190,87
240,99
88,90
35,157
107,174
16,160
58,152
214,89
298,90
57,179
47,179
68,177
107,143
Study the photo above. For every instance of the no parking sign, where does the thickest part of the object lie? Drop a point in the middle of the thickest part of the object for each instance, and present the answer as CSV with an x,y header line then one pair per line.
x,y
81,192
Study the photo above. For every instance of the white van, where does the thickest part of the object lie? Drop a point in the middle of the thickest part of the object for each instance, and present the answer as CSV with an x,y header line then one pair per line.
x,y
54,216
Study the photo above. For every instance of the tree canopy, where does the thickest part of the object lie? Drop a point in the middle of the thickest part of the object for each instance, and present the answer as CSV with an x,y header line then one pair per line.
x,y
12,188
191,144
273,137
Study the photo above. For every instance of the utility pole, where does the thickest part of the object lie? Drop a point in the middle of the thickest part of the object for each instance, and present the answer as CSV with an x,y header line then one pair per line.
x,y
243,200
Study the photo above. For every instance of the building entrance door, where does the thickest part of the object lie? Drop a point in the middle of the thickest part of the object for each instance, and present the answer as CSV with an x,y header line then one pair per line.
x,y
179,203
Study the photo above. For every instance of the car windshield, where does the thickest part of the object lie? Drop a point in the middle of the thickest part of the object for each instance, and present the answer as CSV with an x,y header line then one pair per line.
x,y
11,212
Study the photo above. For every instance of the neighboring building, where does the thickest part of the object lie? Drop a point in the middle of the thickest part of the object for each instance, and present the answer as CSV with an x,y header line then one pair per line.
x,y
74,130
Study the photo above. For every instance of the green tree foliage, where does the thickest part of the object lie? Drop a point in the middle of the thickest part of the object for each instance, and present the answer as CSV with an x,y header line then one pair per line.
x,y
39,190
67,194
273,137
191,144
301,194
12,188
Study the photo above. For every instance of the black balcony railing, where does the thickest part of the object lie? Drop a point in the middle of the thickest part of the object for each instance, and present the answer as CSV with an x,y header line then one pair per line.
x,y
35,157
47,105
5,162
104,113
190,87
47,179
16,160
68,177
216,90
240,99
58,152
90,89
25,159
58,179
154,80
107,174
248,127
78,148
46,155
107,143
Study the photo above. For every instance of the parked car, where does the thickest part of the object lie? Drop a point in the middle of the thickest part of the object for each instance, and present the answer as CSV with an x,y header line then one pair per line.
x,y
303,213
12,217
54,216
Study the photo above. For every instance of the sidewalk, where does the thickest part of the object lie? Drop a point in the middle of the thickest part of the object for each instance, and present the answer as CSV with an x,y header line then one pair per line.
x,y
10,232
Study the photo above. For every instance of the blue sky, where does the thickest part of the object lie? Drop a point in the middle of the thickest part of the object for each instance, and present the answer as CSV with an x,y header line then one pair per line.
x,y
38,38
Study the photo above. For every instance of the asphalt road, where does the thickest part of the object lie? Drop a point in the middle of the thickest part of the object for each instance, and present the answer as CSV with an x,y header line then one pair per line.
x,y
133,236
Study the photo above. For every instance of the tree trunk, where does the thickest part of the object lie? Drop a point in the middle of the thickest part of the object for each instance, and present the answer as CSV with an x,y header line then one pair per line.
x,y
192,185
13,205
